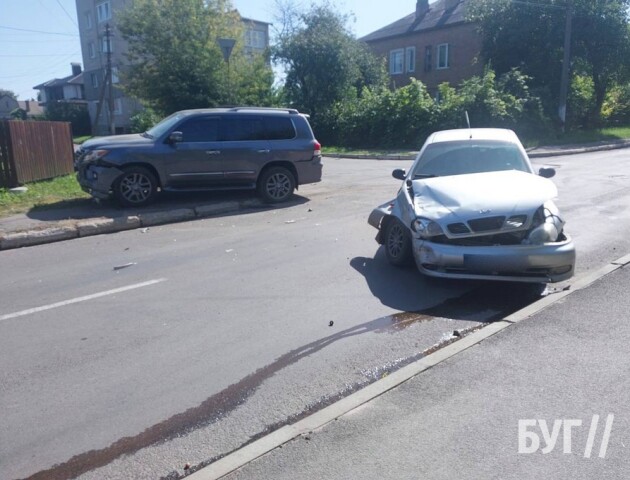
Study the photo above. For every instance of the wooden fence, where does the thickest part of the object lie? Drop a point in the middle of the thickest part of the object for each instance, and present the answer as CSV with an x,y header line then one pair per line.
x,y
32,151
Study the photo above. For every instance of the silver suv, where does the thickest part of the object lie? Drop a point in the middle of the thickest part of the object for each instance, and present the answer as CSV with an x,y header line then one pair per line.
x,y
271,150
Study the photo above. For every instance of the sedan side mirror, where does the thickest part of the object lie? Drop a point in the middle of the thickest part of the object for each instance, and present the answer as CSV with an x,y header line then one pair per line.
x,y
547,172
175,137
399,174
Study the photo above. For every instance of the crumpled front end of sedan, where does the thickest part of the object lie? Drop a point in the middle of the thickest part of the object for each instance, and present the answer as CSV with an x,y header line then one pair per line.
x,y
490,226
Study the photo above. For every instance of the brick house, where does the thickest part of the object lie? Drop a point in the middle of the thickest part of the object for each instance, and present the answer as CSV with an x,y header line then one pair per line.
x,y
434,44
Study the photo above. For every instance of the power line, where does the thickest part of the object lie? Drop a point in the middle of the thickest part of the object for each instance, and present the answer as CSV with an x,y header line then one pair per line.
x,y
38,55
39,31
66,12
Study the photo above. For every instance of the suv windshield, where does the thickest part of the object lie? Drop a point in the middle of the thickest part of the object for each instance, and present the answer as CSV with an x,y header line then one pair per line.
x,y
165,125
464,157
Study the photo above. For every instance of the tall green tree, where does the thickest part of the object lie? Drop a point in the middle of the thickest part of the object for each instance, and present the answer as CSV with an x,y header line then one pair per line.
x,y
323,60
11,94
530,36
176,62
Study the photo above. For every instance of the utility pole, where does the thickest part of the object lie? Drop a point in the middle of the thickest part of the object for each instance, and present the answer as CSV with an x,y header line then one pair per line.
x,y
107,84
564,81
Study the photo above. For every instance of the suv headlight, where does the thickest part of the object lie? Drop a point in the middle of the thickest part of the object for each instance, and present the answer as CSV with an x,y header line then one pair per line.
x,y
425,228
95,155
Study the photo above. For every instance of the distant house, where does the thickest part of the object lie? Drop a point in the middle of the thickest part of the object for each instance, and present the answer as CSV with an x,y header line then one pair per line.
x,y
69,88
434,44
7,105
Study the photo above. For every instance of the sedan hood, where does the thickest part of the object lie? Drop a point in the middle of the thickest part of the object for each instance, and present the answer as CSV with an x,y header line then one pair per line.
x,y
461,197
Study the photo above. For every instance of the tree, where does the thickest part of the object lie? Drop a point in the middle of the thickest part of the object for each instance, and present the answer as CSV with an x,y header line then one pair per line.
x,y
175,59
10,93
18,114
324,62
530,36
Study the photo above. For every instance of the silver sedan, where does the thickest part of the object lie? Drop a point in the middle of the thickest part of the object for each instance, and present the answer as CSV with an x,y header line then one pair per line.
x,y
471,207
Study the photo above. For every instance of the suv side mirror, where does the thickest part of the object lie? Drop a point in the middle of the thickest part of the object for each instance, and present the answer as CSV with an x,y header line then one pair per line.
x,y
175,137
399,174
547,172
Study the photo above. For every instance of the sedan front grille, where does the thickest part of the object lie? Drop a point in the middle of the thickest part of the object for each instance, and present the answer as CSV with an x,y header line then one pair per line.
x,y
486,224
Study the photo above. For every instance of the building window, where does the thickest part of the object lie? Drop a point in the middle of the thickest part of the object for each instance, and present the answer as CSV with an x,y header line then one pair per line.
x,y
396,61
410,54
106,45
255,39
92,50
103,12
88,20
94,77
428,53
115,78
443,54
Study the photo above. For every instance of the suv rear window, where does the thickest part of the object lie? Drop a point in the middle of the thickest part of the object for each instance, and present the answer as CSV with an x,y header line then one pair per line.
x,y
280,128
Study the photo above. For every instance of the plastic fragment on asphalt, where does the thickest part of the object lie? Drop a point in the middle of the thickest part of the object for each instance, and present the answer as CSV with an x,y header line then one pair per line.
x,y
331,323
230,250
126,265
144,230
290,221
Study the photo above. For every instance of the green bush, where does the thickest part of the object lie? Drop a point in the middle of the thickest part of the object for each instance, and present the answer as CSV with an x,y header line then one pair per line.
x,y
616,107
143,120
75,113
404,117
581,101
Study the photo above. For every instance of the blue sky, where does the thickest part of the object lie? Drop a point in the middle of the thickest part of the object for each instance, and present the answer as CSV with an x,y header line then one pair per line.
x,y
30,58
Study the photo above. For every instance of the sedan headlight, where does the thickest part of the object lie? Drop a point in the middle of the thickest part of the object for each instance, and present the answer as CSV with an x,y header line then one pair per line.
x,y
425,228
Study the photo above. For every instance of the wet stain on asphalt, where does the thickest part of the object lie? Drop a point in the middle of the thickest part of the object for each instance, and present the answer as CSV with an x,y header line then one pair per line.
x,y
485,303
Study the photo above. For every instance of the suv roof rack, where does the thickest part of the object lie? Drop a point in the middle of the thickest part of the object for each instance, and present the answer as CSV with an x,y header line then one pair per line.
x,y
292,111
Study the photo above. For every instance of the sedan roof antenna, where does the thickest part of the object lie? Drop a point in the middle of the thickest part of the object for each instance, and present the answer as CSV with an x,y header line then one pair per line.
x,y
468,122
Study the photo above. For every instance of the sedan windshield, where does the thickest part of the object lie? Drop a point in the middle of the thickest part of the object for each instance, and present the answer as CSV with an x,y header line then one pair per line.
x,y
464,157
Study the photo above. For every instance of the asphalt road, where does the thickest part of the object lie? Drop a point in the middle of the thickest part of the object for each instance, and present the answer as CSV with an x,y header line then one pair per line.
x,y
219,329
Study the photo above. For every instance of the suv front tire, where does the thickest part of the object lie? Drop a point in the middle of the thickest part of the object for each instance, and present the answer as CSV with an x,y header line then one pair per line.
x,y
136,187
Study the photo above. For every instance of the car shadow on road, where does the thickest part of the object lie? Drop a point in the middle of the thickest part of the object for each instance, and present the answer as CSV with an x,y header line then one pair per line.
x,y
407,290
80,209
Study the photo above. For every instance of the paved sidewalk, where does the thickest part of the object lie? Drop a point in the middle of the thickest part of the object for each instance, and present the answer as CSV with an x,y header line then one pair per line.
x,y
460,419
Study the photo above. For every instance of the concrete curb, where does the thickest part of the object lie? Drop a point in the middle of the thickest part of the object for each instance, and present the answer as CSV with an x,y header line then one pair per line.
x,y
531,153
251,452
98,226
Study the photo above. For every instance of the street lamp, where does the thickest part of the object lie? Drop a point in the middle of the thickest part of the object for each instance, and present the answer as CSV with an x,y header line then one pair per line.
x,y
226,45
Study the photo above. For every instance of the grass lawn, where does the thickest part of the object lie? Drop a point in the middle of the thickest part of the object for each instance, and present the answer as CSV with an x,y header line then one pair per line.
x,y
583,136
573,137
80,140
41,194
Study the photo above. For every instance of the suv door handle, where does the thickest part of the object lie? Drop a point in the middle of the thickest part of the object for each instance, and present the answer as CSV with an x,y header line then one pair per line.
x,y
264,151
213,152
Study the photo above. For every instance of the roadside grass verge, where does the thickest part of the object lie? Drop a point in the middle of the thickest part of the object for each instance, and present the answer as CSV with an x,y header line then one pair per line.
x,y
582,136
80,140
41,194
572,137
357,151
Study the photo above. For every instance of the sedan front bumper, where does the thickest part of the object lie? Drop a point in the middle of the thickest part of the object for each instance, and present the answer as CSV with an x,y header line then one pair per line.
x,y
550,262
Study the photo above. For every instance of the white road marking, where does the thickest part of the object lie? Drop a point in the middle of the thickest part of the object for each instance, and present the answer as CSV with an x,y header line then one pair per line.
x,y
80,299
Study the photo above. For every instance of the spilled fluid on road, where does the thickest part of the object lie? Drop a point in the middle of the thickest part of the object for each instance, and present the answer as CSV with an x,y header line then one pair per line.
x,y
485,303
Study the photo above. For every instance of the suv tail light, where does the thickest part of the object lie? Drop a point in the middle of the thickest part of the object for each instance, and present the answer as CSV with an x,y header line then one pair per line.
x,y
318,148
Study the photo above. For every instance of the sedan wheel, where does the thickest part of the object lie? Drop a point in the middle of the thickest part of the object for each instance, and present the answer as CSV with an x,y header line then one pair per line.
x,y
136,187
397,243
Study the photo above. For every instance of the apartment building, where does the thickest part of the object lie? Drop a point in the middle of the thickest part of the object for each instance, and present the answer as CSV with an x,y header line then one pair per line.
x,y
93,17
